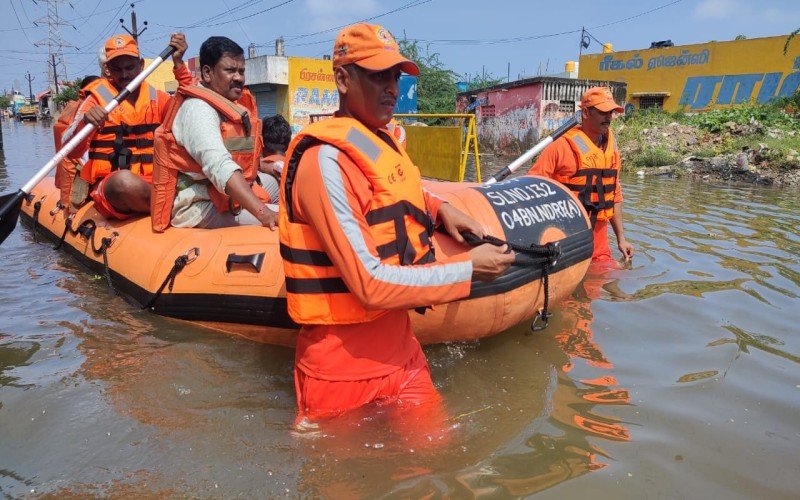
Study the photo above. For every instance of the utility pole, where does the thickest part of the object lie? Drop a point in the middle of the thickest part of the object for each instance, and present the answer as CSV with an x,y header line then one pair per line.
x,y
134,31
584,42
55,72
30,87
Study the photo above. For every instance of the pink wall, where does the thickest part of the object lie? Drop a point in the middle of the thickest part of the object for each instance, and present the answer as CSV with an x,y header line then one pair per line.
x,y
508,123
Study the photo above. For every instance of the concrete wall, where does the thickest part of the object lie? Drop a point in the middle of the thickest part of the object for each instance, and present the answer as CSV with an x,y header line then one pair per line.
x,y
511,118
508,119
258,70
703,76
267,69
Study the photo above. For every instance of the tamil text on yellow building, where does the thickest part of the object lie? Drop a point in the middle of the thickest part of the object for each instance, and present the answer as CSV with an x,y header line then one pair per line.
x,y
701,76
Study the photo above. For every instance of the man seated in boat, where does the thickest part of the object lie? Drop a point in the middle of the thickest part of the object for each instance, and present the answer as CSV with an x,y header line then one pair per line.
x,y
355,234
276,134
208,149
120,150
586,160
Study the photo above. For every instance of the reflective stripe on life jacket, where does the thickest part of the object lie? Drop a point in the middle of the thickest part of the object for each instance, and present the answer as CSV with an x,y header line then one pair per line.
x,y
398,220
241,135
595,181
125,141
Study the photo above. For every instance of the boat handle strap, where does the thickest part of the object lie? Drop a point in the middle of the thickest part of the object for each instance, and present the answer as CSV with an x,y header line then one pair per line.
x,y
256,260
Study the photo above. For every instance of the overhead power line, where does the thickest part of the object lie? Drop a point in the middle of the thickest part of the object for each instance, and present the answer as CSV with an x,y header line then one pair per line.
x,y
415,3
220,15
19,22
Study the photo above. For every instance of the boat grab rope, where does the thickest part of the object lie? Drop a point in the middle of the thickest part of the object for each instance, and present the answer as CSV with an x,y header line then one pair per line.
x,y
180,262
37,207
546,256
87,230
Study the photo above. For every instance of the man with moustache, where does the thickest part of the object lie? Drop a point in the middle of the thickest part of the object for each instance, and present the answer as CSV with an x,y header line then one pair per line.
x,y
120,149
208,149
355,233
587,161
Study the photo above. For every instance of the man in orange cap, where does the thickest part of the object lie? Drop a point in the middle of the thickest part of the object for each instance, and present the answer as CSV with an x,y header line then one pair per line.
x,y
120,149
586,160
355,230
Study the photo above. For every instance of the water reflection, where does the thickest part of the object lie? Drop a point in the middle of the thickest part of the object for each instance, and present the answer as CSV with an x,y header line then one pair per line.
x,y
566,447
14,354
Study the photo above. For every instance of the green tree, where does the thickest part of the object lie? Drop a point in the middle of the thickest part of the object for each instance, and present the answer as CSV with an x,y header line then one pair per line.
x,y
740,37
68,93
436,85
482,81
5,102
789,40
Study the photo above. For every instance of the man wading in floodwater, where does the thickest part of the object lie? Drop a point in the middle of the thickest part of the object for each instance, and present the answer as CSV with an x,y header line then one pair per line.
x,y
586,160
355,231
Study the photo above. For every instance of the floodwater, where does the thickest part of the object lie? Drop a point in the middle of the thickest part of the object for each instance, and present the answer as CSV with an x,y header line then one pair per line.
x,y
676,378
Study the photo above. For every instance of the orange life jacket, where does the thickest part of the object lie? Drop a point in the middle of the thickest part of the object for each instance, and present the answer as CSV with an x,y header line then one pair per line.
x,y
241,134
277,160
67,168
397,131
398,219
595,181
125,140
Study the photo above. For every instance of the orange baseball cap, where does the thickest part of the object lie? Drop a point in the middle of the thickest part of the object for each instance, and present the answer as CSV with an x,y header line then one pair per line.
x,y
600,98
371,47
121,45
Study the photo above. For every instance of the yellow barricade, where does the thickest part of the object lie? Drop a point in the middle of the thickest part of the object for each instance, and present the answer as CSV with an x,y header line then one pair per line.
x,y
441,151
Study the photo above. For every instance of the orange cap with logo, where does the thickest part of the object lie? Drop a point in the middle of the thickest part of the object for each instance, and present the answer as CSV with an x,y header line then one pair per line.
x,y
371,47
600,98
121,45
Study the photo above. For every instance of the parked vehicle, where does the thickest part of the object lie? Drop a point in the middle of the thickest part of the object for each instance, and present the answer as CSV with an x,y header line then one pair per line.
x,y
28,112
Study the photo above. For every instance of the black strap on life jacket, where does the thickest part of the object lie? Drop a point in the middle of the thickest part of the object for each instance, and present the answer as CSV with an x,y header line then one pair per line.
x,y
311,285
594,185
402,246
306,257
122,157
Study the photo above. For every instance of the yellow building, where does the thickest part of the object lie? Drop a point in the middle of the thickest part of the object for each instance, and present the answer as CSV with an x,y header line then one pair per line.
x,y
700,76
311,91
162,78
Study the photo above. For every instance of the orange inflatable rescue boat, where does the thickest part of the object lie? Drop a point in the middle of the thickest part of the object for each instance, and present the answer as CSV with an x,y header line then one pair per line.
x,y
231,279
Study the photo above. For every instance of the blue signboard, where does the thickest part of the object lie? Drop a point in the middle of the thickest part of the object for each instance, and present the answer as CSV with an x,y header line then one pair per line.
x,y
407,100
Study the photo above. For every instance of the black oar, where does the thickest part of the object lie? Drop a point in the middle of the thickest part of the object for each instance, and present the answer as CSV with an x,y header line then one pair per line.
x,y
12,203
527,155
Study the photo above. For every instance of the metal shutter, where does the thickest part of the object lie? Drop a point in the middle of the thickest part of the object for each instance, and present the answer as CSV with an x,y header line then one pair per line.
x,y
267,103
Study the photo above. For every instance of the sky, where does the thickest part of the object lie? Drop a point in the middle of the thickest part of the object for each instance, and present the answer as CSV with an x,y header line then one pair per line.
x,y
501,38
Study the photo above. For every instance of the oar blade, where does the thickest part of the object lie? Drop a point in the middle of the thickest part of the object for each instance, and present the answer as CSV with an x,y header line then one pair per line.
x,y
9,213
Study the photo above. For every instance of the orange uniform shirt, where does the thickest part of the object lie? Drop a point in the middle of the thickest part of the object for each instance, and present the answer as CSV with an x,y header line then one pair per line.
x,y
558,159
384,345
